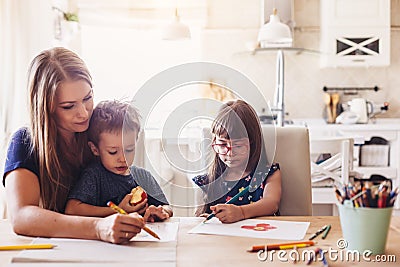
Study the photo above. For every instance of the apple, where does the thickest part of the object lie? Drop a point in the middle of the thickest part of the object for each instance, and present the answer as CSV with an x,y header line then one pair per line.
x,y
138,195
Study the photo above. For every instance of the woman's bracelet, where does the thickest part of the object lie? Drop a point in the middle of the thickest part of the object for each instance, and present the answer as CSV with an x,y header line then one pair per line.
x,y
241,209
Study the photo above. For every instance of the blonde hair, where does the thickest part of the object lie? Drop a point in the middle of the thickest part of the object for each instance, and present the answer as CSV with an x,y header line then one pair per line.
x,y
59,166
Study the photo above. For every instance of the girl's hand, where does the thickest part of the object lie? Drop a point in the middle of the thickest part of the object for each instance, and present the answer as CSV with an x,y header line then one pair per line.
x,y
139,208
228,213
119,228
154,213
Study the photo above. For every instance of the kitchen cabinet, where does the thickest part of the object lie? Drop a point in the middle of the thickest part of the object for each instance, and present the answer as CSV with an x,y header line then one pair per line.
x,y
388,129
355,33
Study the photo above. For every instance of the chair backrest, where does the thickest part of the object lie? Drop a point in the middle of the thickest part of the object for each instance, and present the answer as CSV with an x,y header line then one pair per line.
x,y
291,151
340,164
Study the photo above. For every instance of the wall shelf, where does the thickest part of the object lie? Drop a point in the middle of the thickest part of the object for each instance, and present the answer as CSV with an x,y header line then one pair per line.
x,y
350,90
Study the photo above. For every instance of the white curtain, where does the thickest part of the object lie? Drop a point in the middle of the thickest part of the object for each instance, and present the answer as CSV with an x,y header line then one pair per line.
x,y
26,28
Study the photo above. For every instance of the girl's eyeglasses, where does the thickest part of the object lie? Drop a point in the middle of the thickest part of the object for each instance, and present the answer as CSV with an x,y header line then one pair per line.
x,y
224,149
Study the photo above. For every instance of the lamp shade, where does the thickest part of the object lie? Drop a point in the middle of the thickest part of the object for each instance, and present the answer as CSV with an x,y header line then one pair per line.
x,y
275,33
176,30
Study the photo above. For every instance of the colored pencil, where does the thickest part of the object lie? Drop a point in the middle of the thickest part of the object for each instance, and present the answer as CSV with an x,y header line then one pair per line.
x,y
121,211
319,232
28,246
326,232
290,245
230,201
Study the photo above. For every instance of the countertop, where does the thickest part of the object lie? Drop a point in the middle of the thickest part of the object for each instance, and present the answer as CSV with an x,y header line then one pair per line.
x,y
385,124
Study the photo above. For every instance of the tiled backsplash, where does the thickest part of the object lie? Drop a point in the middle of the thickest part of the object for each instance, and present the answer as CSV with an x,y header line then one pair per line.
x,y
304,78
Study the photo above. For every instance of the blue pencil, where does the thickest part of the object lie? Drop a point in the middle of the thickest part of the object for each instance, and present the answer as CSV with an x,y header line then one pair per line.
x,y
230,201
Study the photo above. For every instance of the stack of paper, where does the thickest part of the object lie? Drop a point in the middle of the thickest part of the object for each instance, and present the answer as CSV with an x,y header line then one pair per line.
x,y
97,253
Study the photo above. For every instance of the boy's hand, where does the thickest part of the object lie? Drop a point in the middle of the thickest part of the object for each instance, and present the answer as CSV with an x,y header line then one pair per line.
x,y
154,213
139,208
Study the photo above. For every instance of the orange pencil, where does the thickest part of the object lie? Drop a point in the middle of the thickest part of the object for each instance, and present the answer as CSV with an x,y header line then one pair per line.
x,y
290,245
121,211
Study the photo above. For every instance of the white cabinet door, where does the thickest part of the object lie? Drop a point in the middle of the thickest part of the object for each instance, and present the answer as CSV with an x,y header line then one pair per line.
x,y
355,33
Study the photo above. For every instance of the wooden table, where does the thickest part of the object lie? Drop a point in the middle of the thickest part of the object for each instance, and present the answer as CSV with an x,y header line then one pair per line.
x,y
211,250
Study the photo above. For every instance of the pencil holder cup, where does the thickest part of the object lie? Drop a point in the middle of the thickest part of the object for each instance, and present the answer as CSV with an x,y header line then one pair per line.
x,y
365,228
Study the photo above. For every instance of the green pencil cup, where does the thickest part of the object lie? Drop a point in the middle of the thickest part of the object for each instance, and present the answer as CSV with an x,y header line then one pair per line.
x,y
365,228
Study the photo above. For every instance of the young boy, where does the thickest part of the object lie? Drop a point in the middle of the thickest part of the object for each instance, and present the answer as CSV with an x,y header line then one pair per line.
x,y
113,132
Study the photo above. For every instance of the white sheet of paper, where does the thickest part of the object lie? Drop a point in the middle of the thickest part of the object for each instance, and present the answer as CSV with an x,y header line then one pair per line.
x,y
167,231
87,264
92,251
285,230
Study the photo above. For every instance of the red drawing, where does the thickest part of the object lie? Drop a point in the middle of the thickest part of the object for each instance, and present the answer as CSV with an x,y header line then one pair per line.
x,y
259,227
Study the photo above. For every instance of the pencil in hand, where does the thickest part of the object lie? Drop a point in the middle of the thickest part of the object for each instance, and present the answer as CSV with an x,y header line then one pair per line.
x,y
230,201
209,217
121,211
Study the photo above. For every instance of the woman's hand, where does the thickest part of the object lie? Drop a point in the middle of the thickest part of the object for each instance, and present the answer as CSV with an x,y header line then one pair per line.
x,y
119,228
154,213
228,213
139,208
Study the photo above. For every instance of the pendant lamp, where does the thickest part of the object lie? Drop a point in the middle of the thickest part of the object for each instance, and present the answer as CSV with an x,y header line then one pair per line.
x,y
176,30
275,33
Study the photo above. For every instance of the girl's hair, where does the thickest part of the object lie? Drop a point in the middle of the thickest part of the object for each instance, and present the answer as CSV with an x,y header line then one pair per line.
x,y
59,163
113,117
236,119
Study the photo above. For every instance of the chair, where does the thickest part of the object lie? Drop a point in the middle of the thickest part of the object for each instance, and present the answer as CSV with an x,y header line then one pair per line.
x,y
288,146
340,150
292,152
337,167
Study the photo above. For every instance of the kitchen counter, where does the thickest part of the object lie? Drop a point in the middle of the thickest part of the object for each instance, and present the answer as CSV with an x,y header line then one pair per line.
x,y
379,123
359,132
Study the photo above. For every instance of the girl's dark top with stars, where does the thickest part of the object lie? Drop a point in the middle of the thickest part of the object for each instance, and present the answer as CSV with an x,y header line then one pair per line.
x,y
234,187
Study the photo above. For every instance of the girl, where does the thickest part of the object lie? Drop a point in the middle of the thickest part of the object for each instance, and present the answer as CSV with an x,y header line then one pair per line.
x,y
237,144
44,161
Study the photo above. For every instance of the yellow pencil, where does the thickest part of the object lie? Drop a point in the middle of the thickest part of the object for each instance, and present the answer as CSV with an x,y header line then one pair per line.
x,y
28,246
121,211
290,245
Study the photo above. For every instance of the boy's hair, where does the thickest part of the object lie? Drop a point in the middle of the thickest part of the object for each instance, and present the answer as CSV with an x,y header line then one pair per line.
x,y
113,116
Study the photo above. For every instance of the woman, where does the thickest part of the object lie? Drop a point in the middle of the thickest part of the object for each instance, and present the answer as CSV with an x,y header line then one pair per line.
x,y
238,153
44,161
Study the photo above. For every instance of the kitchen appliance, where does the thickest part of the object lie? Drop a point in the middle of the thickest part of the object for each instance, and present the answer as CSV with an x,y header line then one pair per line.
x,y
378,109
360,107
366,109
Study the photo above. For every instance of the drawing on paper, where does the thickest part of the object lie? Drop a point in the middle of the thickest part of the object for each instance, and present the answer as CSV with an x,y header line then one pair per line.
x,y
259,227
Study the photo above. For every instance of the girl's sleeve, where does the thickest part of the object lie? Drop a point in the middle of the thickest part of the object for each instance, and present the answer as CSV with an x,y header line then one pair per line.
x,y
272,170
200,180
